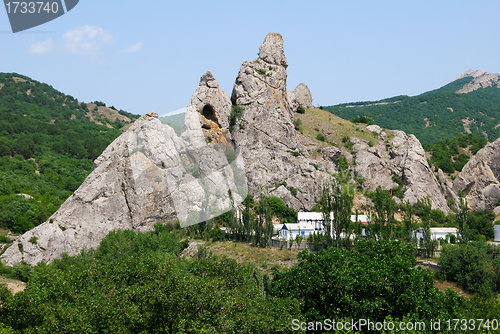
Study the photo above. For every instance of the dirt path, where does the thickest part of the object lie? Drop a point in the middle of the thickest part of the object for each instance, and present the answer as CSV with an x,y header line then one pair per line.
x,y
13,285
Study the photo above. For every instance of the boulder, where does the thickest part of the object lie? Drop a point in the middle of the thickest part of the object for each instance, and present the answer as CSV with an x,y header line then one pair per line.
x,y
301,95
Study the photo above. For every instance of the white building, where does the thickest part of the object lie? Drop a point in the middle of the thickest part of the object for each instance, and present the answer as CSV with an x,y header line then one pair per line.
x,y
437,233
311,222
291,231
316,219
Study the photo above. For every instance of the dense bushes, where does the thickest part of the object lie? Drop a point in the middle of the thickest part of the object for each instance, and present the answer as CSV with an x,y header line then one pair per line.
x,y
47,145
136,283
471,265
374,280
446,153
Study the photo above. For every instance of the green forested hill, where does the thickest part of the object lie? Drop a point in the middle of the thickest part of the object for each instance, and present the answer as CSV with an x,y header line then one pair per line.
x,y
435,115
48,141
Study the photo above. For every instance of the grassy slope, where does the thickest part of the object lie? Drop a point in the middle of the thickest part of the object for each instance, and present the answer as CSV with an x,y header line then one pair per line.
x,y
48,141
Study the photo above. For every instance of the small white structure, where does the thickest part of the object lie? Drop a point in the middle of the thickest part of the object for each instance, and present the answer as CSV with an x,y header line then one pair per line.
x,y
497,233
316,219
291,231
437,233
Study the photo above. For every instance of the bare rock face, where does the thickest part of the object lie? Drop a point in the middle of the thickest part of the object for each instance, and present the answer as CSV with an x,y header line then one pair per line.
x,y
109,199
480,79
301,95
147,175
265,134
403,157
480,178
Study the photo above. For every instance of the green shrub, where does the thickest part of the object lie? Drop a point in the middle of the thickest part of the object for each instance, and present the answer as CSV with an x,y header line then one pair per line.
x,y
297,123
320,137
301,109
364,119
469,265
295,153
4,239
236,112
261,71
33,240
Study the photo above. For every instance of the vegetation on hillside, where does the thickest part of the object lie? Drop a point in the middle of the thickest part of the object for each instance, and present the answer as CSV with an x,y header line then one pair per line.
x,y
452,154
436,115
47,145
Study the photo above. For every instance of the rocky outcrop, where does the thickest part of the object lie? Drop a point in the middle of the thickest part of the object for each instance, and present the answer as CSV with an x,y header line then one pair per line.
x,y
147,175
265,134
301,95
402,158
480,79
150,175
479,179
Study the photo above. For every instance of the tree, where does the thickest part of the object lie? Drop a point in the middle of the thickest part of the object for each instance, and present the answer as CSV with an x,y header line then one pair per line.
x,y
373,280
428,244
336,204
461,218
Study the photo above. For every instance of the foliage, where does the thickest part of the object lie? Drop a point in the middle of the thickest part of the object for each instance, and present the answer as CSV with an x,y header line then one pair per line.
x,y
363,119
136,283
236,112
374,280
343,164
468,264
446,153
427,243
47,145
435,115
384,221
301,109
320,137
336,200
297,123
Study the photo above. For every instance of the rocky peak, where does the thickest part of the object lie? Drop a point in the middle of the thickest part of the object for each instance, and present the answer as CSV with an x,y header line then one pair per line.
x,y
301,95
272,51
480,79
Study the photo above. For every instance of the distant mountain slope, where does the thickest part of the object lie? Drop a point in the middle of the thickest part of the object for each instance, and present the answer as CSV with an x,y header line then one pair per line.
x,y
439,114
175,121
48,141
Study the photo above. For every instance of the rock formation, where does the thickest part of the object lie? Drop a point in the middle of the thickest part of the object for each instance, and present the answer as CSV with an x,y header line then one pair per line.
x,y
151,175
480,79
480,178
402,157
147,175
301,95
265,134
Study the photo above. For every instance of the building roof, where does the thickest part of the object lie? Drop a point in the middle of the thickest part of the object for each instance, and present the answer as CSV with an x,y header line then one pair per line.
x,y
435,230
302,226
318,216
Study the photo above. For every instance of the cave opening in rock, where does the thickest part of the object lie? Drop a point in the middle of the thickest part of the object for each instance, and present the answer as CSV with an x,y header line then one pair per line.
x,y
209,113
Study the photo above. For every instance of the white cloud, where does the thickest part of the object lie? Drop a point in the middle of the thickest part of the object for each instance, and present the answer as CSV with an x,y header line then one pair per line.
x,y
42,48
86,40
134,48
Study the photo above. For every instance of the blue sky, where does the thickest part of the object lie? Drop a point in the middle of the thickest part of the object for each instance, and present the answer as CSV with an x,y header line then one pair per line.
x,y
144,56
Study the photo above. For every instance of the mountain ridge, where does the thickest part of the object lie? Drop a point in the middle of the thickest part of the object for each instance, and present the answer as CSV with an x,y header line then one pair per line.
x,y
437,114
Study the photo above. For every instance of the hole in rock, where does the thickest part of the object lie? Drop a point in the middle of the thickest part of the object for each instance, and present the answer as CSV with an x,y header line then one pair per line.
x,y
209,113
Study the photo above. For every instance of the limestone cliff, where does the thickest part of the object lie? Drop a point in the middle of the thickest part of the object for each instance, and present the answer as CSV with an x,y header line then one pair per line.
x,y
480,178
265,134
